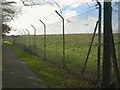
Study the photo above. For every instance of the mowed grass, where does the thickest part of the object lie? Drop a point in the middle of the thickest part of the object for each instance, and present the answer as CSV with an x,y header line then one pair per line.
x,y
76,49
52,76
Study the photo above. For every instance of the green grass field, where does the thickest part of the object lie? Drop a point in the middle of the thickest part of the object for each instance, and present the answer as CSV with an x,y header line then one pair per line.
x,y
52,76
76,48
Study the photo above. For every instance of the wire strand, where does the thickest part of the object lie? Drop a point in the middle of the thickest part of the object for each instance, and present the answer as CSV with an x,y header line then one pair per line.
x,y
65,12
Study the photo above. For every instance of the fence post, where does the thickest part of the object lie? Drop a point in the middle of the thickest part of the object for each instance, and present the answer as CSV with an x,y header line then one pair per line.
x,y
109,49
106,73
34,38
21,38
89,50
28,36
16,38
64,65
99,42
13,39
44,38
24,39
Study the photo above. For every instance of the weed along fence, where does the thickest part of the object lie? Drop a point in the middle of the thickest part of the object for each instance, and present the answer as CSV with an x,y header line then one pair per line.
x,y
74,41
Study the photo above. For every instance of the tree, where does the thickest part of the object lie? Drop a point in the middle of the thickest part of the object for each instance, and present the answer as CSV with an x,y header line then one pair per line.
x,y
36,2
9,12
5,28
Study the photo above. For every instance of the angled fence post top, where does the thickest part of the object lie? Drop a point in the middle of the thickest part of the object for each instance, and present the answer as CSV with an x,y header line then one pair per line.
x,y
42,22
27,31
63,27
98,2
44,38
24,32
59,14
20,32
33,27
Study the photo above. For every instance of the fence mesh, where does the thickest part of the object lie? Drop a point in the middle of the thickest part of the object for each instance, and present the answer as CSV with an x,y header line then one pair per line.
x,y
78,36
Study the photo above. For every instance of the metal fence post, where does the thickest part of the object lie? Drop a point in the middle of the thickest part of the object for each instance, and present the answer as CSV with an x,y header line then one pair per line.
x,y
89,50
34,38
13,39
44,39
21,38
16,38
99,41
64,65
28,37
106,72
24,39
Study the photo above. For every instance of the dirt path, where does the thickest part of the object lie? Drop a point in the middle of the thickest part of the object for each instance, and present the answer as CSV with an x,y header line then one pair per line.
x,y
16,74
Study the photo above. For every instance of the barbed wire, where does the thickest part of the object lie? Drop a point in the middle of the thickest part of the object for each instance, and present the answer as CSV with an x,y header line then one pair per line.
x,y
72,15
78,11
46,19
71,10
62,8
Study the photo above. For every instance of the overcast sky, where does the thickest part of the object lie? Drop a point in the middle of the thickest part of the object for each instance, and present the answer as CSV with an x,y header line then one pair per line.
x,y
31,15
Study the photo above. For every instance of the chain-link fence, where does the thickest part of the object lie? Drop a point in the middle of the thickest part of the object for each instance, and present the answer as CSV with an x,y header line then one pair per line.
x,y
77,47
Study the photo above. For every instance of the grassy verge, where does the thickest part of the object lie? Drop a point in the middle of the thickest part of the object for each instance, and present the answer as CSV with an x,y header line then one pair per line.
x,y
76,49
54,77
